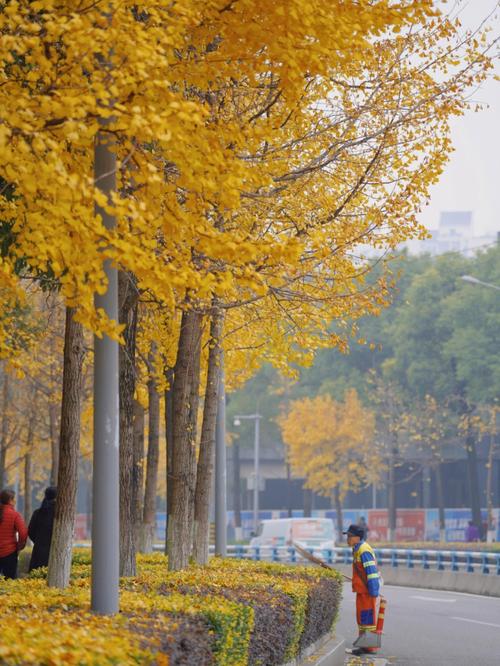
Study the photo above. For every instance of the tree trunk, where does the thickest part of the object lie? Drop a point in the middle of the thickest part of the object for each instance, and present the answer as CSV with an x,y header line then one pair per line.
x,y
440,498
475,500
490,536
205,468
138,471
5,428
149,515
27,487
308,496
54,404
169,416
127,303
88,501
27,461
289,490
194,403
186,383
238,535
391,498
426,488
54,444
64,518
338,511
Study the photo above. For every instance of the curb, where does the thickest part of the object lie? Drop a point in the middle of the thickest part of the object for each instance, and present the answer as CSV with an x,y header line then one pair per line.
x,y
329,650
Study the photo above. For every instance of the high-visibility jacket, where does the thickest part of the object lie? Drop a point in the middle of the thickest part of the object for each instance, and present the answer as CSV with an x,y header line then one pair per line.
x,y
365,575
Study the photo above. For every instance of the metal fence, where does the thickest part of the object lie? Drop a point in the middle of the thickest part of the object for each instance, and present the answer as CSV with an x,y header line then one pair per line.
x,y
439,560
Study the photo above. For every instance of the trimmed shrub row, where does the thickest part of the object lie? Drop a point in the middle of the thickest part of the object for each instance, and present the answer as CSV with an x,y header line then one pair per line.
x,y
229,613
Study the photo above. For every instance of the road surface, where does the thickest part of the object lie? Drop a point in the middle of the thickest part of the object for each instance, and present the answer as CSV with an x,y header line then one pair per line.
x,y
430,628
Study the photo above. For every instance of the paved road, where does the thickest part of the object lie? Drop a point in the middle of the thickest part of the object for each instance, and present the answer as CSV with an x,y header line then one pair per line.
x,y
431,628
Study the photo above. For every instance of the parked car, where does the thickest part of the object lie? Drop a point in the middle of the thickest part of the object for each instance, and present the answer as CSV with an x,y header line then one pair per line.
x,y
315,533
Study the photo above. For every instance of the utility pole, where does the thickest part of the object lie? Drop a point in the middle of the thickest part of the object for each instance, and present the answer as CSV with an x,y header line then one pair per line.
x,y
105,499
256,456
256,475
221,467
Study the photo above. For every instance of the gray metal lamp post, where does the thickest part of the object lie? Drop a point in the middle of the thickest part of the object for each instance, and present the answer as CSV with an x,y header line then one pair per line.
x,y
256,418
473,280
105,503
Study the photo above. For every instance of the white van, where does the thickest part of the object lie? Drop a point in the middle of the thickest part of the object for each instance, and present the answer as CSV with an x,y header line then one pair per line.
x,y
315,533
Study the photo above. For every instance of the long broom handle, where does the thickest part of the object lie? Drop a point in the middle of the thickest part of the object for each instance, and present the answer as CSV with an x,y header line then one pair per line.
x,y
316,560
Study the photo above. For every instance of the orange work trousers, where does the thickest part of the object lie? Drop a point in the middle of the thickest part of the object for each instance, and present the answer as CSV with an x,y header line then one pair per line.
x,y
366,612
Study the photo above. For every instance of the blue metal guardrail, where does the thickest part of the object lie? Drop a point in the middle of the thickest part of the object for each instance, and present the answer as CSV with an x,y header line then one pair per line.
x,y
440,560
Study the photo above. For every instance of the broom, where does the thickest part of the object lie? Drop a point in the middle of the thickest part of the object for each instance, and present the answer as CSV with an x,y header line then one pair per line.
x,y
315,560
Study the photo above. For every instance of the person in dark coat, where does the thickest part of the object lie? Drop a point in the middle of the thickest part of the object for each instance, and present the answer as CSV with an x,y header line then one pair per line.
x,y
362,523
472,532
40,529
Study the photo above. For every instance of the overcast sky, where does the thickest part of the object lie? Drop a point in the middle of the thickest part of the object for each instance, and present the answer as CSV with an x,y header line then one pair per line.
x,y
471,180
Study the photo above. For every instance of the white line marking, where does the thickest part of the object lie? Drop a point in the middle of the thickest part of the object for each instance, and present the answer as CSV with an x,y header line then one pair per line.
x,y
445,601
466,619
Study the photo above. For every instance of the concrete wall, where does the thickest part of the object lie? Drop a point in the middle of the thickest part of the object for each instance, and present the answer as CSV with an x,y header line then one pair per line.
x,y
473,583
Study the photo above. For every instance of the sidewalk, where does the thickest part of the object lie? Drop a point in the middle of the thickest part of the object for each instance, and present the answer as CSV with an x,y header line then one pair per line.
x,y
328,651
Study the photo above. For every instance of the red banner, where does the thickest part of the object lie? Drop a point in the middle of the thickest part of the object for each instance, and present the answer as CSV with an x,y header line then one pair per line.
x,y
410,525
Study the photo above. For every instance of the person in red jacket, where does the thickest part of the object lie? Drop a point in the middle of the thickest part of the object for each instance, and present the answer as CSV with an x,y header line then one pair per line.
x,y
13,534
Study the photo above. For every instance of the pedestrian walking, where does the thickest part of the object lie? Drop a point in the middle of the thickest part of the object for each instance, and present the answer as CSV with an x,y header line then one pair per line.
x,y
365,583
13,534
40,529
471,532
362,523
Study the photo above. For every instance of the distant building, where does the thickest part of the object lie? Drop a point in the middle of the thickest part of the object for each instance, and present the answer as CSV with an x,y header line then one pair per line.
x,y
416,485
454,234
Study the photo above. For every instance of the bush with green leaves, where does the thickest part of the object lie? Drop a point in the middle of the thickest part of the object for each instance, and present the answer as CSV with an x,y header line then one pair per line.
x,y
229,613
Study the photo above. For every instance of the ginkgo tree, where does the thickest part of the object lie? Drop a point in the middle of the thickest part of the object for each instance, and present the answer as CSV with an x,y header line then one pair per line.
x,y
308,279
430,425
176,164
254,154
330,443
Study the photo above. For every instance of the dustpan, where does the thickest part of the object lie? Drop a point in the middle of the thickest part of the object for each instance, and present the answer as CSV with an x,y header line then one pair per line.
x,y
368,639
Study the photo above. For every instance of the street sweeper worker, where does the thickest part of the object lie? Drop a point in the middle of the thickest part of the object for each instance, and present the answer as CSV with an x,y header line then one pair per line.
x,y
365,578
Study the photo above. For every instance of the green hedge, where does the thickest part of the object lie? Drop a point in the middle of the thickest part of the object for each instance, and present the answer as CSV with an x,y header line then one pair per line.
x,y
230,613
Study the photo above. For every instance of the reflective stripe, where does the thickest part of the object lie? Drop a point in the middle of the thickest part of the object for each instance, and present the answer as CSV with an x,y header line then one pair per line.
x,y
369,563
365,548
374,575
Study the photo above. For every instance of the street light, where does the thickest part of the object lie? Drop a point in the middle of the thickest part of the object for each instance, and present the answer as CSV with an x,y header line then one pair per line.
x,y
473,280
237,422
